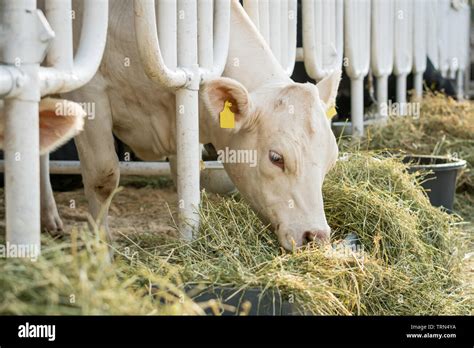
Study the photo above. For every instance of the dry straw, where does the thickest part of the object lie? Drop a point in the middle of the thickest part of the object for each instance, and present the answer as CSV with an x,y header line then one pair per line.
x,y
410,262
409,265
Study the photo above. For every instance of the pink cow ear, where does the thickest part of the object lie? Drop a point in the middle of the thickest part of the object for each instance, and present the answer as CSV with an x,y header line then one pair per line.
x,y
59,121
221,90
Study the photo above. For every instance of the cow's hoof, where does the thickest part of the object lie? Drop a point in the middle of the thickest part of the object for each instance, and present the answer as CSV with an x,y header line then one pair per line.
x,y
52,224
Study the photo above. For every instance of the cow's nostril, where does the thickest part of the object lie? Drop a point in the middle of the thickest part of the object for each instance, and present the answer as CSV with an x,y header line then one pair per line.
x,y
316,236
308,237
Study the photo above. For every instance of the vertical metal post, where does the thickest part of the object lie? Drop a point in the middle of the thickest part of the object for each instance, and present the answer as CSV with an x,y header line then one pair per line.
x,y
187,122
23,48
460,84
402,93
357,106
418,83
382,96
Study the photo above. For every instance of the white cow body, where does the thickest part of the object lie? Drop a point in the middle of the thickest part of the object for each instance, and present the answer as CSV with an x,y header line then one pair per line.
x,y
274,116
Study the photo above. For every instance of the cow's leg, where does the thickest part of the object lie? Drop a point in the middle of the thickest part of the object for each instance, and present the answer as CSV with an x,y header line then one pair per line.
x,y
50,220
99,161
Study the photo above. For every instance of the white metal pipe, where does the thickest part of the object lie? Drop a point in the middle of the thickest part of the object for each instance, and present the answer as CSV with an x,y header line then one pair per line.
x,y
309,44
382,95
275,29
12,80
284,34
26,43
357,106
418,84
205,33
187,124
322,36
419,44
89,52
22,191
460,84
221,40
401,93
292,18
59,15
167,32
126,168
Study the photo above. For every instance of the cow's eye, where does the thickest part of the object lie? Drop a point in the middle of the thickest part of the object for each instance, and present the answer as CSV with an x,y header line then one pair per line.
x,y
276,159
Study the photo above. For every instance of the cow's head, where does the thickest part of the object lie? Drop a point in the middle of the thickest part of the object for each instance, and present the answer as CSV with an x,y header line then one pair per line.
x,y
59,121
286,127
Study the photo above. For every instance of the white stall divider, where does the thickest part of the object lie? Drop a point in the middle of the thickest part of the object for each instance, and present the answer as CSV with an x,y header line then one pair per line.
x,y
382,49
198,58
277,22
419,44
403,50
357,56
26,36
433,26
73,75
458,41
443,39
322,36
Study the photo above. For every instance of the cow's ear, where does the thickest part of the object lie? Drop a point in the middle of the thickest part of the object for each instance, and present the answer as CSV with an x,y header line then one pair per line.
x,y
59,121
221,93
328,87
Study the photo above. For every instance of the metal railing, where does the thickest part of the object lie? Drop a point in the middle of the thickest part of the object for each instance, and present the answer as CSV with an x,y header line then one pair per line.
x,y
25,38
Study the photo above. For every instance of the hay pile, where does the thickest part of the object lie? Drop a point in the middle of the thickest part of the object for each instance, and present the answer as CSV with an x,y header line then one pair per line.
x,y
76,277
444,127
409,265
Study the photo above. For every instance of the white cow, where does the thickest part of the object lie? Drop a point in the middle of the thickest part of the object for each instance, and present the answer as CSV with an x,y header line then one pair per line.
x,y
284,122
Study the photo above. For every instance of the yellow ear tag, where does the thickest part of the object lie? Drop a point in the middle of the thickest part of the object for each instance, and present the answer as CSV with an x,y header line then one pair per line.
x,y
331,112
227,117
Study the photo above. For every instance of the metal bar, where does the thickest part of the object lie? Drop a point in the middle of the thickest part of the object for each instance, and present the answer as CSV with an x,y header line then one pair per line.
x,y
205,17
283,38
357,106
21,126
167,32
221,40
89,52
126,168
149,48
274,42
382,95
292,32
59,15
187,124
418,83
401,92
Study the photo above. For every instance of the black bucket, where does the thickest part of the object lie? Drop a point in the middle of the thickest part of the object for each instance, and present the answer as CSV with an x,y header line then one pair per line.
x,y
259,302
440,177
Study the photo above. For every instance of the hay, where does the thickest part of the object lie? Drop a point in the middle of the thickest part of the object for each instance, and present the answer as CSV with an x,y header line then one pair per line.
x,y
76,277
410,263
444,127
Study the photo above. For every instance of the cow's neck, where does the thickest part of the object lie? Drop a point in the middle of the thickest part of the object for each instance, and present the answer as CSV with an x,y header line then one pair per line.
x,y
250,60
